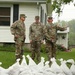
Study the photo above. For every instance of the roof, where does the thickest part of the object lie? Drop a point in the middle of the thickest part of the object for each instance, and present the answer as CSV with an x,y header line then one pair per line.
x,y
23,1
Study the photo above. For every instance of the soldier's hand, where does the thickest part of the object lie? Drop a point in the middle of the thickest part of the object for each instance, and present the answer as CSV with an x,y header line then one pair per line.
x,y
30,41
43,41
16,36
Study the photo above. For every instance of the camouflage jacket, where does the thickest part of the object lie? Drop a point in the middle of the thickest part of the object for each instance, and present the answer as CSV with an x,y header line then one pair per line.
x,y
36,31
18,28
50,31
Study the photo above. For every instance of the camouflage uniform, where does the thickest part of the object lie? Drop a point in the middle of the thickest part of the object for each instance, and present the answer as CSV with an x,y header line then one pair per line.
x,y
36,35
51,37
18,28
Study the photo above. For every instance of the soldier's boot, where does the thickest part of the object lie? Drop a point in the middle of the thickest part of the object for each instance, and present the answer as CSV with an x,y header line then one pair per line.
x,y
54,55
50,63
38,59
20,59
17,57
49,58
33,56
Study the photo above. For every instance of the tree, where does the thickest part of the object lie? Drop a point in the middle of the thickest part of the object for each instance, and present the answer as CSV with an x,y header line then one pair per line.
x,y
56,5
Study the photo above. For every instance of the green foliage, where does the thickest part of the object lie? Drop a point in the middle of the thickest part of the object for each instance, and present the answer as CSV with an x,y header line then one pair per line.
x,y
67,55
11,48
67,1
48,1
8,58
56,4
61,48
26,49
63,1
8,47
43,48
72,32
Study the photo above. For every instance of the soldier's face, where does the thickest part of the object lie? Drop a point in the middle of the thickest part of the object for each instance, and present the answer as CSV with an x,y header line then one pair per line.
x,y
22,18
36,20
50,20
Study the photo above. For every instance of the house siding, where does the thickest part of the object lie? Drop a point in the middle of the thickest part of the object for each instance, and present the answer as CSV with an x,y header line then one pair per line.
x,y
30,10
5,34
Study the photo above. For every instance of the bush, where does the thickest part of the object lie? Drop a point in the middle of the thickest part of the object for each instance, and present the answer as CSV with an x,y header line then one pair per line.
x,y
43,48
58,47
11,48
7,47
26,49
61,47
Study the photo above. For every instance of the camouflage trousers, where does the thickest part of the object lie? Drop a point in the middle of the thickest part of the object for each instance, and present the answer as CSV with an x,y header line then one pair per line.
x,y
51,49
35,50
19,48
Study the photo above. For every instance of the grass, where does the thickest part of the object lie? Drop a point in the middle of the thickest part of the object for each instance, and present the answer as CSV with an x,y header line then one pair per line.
x,y
67,55
8,57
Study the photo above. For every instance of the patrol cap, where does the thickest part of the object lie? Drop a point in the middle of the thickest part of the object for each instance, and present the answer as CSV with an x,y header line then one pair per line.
x,y
50,17
23,15
36,17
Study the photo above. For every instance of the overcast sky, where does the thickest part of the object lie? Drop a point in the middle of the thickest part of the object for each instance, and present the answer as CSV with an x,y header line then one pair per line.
x,y
67,14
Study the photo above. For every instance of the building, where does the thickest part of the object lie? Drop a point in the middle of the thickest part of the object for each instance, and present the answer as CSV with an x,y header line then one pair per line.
x,y
10,11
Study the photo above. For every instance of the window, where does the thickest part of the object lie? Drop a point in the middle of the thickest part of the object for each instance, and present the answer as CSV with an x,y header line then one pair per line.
x,y
4,16
42,15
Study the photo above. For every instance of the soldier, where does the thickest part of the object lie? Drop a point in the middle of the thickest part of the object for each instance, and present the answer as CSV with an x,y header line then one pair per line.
x,y
18,30
36,38
51,36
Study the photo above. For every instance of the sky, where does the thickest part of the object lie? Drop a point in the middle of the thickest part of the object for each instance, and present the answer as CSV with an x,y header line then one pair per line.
x,y
67,14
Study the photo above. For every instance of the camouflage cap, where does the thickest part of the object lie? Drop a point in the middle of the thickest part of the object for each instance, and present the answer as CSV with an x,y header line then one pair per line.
x,y
23,15
36,17
50,17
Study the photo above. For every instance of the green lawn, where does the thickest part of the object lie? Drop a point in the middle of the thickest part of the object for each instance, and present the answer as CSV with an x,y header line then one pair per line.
x,y
8,58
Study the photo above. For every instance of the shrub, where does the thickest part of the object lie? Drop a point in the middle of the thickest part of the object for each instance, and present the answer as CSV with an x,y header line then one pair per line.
x,y
61,47
7,47
11,48
43,48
